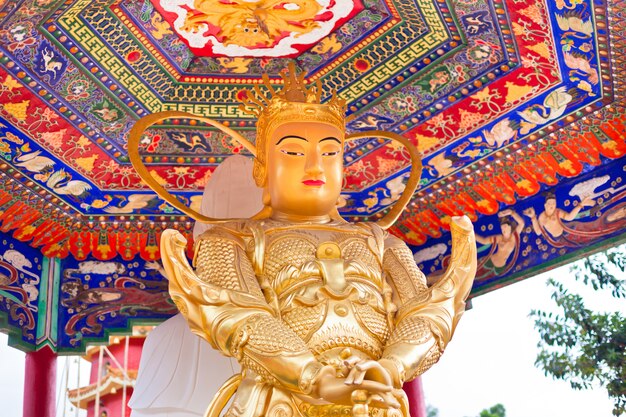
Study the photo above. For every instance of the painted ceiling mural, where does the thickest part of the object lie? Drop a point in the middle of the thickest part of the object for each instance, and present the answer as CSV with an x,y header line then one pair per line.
x,y
516,105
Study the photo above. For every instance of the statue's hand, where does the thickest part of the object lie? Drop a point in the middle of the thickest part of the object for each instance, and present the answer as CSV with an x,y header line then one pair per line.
x,y
339,391
369,370
363,375
361,369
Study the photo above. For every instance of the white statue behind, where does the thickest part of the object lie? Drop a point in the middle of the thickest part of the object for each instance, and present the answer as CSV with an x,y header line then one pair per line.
x,y
179,372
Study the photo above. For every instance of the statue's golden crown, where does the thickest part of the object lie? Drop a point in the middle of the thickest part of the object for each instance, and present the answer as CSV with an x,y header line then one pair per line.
x,y
294,102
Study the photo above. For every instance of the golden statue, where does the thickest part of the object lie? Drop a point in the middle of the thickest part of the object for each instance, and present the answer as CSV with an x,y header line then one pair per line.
x,y
325,317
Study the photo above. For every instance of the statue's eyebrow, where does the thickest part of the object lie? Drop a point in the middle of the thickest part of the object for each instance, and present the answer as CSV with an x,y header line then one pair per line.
x,y
291,137
331,138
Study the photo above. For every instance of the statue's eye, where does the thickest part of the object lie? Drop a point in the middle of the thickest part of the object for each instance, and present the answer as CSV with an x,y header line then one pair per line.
x,y
246,30
292,153
330,153
255,30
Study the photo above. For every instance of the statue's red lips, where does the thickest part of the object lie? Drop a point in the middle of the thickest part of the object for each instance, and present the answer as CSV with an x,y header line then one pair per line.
x,y
313,183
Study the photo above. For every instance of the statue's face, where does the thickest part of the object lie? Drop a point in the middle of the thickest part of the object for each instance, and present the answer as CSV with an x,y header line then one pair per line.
x,y
305,168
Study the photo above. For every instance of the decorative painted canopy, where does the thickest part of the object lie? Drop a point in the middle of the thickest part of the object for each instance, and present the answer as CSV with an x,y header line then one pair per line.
x,y
516,105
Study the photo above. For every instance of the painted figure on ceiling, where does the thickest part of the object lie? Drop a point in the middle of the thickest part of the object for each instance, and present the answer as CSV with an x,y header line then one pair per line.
x,y
498,254
325,317
618,214
550,222
505,246
116,294
579,227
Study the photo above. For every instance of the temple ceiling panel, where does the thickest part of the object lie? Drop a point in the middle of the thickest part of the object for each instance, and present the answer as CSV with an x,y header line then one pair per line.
x,y
515,105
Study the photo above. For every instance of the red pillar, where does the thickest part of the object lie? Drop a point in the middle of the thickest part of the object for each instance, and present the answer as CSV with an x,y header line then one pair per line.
x,y
417,404
40,383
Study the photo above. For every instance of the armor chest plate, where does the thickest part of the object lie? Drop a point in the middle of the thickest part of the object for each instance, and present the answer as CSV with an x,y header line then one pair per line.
x,y
328,284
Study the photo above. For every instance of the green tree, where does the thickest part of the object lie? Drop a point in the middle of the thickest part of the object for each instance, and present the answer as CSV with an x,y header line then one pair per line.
x,y
582,346
432,411
495,411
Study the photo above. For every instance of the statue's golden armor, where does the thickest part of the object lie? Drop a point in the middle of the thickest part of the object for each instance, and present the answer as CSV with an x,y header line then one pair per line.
x,y
287,299
325,317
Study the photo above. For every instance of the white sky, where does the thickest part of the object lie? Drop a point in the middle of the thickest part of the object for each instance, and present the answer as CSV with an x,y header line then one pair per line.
x,y
489,361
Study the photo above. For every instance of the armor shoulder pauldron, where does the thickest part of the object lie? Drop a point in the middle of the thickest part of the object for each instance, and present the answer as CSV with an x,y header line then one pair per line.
x,y
220,259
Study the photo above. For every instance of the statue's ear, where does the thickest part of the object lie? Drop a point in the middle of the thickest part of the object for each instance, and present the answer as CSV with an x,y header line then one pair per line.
x,y
259,172
267,199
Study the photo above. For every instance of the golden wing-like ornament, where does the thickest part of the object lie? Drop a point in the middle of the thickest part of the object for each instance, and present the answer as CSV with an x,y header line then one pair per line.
x,y
223,395
463,261
185,286
188,291
454,285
